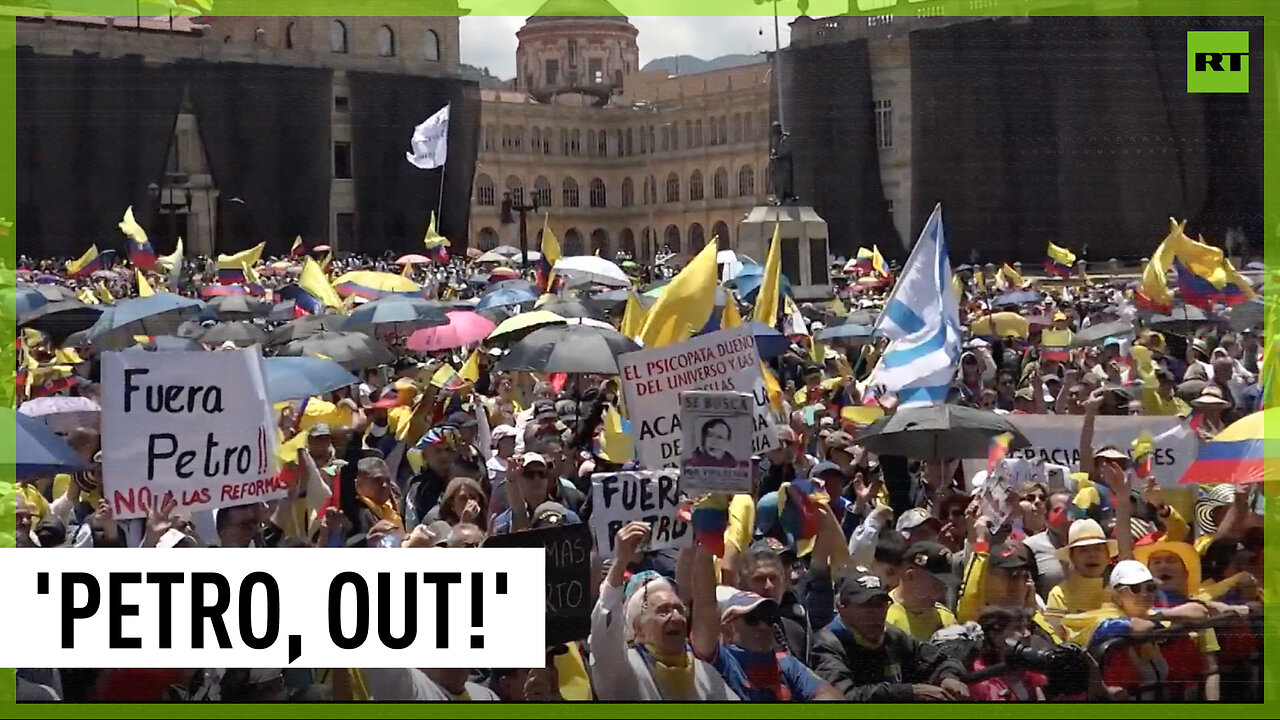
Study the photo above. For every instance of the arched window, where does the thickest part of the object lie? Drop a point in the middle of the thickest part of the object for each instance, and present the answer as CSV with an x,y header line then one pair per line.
x,y
535,140
644,141
746,127
386,42
431,45
724,130
622,149
591,143
516,188
337,37
542,191
572,242
737,127
564,141
602,143
577,142
697,238
598,194
600,242
697,133
627,242
720,184
746,181
488,239
484,190
672,239
518,139
650,191
673,188
631,148
288,35
570,193
695,185
721,231
547,136
628,193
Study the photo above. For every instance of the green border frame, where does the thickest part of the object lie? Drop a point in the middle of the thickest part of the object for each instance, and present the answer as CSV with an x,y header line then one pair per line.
x,y
1268,9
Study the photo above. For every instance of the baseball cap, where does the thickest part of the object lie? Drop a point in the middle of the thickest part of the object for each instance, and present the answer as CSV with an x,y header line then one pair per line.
x,y
1059,316
460,419
1130,572
1111,452
1012,555
388,399
532,458
549,514
861,587
826,468
914,518
320,430
735,603
934,559
841,440
501,432
544,408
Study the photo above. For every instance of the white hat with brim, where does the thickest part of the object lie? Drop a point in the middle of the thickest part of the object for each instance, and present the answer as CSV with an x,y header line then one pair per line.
x,y
1084,533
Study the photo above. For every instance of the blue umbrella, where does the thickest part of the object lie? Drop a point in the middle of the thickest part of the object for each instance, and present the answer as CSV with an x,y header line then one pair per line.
x,y
293,378
845,331
499,297
401,314
41,453
769,342
749,285
1017,297
29,299
748,269
159,314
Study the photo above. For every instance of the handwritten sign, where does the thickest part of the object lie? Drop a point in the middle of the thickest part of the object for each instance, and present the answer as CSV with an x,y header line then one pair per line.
x,y
568,576
717,442
652,497
652,381
196,424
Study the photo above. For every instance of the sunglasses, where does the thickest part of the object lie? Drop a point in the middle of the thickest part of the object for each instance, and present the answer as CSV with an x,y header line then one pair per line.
x,y
1034,497
1142,589
535,473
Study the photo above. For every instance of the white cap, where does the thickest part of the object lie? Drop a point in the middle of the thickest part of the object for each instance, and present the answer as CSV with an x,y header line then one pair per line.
x,y
500,432
1130,572
530,458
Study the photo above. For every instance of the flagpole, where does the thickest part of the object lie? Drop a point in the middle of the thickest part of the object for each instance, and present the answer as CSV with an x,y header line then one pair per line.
x,y
440,198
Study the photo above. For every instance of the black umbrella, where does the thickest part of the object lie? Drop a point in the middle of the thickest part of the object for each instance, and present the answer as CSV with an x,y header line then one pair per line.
x,y
239,307
398,314
569,309
939,432
1185,319
282,311
1098,334
305,327
243,334
57,293
60,319
569,349
353,351
1248,314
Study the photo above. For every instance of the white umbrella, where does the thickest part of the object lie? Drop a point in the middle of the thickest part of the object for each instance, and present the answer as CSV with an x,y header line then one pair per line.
x,y
726,256
494,257
507,250
63,414
592,268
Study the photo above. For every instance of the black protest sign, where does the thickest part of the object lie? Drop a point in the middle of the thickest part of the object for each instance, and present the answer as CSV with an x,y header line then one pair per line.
x,y
568,574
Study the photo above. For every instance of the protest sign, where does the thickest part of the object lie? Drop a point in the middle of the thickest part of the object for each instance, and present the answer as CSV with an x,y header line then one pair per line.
x,y
652,496
568,576
717,442
652,381
1056,439
196,424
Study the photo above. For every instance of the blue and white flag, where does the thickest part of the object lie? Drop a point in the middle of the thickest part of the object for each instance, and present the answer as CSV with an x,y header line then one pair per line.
x,y
922,321
430,141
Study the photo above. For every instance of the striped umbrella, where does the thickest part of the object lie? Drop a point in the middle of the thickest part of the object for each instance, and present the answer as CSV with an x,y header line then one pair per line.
x,y
1242,453
372,285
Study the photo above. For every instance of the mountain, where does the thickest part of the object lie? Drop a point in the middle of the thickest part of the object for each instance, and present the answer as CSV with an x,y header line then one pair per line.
x,y
482,76
688,64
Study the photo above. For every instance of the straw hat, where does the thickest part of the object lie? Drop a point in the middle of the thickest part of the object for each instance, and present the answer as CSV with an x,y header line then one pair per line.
x,y
1212,497
1084,533
1186,552
1210,396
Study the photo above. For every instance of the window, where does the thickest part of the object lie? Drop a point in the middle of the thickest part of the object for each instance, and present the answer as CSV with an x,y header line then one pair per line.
x,y
724,130
341,103
542,192
600,242
746,182
622,149
720,184
673,188
644,141
591,143
627,242
488,239
688,134
653,140
697,133
518,138
746,126
650,191
631,147
546,141
602,142
721,231
576,143
342,160
595,71
484,190
697,238
597,193
535,140
884,124
337,37
671,238
288,35
695,187
666,137
564,141
572,242
737,127
431,46
573,53
344,227
628,193
675,136
552,72
617,78
570,192
386,42
516,188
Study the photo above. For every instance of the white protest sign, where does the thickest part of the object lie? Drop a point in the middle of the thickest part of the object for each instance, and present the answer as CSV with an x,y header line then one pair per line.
x,y
197,424
652,380
717,442
1056,439
652,496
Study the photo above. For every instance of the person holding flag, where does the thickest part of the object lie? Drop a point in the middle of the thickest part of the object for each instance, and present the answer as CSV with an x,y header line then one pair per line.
x,y
141,254
550,255
1060,261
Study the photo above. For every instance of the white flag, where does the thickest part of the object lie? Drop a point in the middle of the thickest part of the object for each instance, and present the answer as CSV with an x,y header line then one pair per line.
x,y
430,141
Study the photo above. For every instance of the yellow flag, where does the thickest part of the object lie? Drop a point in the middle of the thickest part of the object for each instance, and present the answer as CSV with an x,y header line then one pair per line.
x,y
144,287
633,316
88,298
685,305
327,263
312,280
434,239
250,275
817,351
1143,366
957,288
766,307
615,445
837,307
979,281
1012,276
471,369
80,265
730,318
877,262
244,257
172,260
131,228
772,389
1154,290
103,293
1061,256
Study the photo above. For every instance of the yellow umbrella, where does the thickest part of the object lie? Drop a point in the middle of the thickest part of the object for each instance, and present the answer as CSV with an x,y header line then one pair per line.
x,y
1001,324
512,328
372,285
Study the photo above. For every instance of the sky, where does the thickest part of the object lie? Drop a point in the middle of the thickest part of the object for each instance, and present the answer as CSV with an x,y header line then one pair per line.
x,y
491,41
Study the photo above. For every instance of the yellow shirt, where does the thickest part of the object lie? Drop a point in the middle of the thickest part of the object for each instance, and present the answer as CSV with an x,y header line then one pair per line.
x,y
742,522
1077,594
60,482
920,626
575,684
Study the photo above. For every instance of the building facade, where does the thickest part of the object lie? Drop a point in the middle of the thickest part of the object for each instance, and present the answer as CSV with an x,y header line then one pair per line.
x,y
618,160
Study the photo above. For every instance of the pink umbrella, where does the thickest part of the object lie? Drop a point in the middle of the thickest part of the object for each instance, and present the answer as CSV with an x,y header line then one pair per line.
x,y
413,259
465,328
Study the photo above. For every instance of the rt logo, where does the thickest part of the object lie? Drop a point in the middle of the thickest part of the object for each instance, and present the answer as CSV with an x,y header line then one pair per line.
x,y
1218,61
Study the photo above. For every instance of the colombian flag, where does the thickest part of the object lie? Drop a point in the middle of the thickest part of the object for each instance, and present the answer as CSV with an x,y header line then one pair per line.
x,y
231,267
141,254
1240,454
864,260
1060,261
85,264
1200,291
1056,344
298,249
550,255
998,450
313,291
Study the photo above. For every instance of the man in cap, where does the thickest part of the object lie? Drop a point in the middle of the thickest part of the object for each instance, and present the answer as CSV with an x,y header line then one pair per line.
x,y
870,661
927,577
1003,576
917,525
529,485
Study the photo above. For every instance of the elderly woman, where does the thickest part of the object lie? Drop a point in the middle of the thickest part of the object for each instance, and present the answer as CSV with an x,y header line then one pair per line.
x,y
640,645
